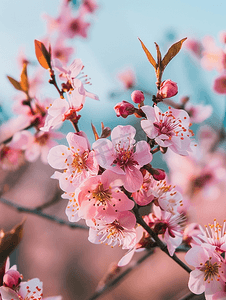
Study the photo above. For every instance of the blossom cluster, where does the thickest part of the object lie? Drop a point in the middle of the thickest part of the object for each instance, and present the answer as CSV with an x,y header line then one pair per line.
x,y
107,181
207,255
14,288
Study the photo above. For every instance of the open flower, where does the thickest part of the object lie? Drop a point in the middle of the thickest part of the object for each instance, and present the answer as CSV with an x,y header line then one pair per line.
x,y
119,232
77,161
168,225
120,156
209,275
165,195
214,235
169,129
101,198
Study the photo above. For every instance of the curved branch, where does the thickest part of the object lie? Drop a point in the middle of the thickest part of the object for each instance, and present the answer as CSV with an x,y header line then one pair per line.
x,y
39,213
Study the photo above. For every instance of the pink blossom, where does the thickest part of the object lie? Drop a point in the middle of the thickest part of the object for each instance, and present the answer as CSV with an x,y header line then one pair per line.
x,y
11,278
194,46
169,129
209,275
124,109
129,255
166,196
67,25
72,209
28,290
137,96
198,113
88,6
168,225
222,37
191,231
101,198
168,89
215,235
212,56
219,85
71,73
61,109
37,145
10,158
59,50
119,155
119,232
128,78
200,171
77,161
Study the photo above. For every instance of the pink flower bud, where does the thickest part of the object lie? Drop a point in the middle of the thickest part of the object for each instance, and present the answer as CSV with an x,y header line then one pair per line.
x,y
137,96
160,176
11,279
124,109
168,89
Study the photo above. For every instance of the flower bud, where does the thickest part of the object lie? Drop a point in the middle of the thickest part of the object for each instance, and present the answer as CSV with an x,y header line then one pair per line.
x,y
160,176
11,279
168,89
137,96
124,109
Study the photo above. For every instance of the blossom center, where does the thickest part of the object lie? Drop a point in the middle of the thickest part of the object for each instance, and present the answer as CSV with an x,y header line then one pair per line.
x,y
114,229
42,139
124,157
211,271
100,194
79,161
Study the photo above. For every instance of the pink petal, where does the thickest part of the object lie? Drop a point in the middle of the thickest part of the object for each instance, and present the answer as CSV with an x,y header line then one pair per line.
x,y
59,107
133,179
196,282
127,219
76,142
123,135
149,128
126,258
142,155
105,153
8,294
150,112
57,155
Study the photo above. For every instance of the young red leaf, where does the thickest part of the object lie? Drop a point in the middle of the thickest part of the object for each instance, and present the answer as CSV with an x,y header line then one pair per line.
x,y
23,79
9,241
43,56
159,57
148,54
15,83
95,132
172,52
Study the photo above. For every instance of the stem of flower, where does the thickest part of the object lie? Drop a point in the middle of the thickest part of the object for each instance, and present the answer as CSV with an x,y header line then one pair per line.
x,y
161,245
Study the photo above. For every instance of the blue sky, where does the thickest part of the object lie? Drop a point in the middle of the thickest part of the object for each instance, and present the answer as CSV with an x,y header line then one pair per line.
x,y
113,45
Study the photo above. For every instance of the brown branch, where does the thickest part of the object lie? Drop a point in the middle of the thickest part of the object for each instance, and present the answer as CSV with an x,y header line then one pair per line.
x,y
161,245
191,296
39,213
112,284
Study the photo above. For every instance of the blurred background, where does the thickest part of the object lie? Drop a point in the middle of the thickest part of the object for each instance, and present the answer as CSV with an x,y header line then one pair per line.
x,y
61,257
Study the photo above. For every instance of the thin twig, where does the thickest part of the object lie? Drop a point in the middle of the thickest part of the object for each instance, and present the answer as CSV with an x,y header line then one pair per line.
x,y
161,245
190,296
56,198
39,213
118,279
